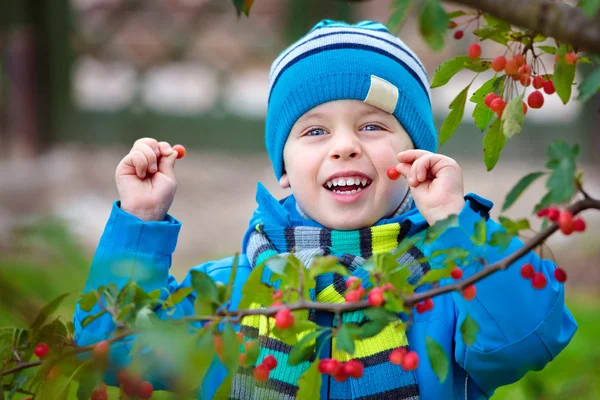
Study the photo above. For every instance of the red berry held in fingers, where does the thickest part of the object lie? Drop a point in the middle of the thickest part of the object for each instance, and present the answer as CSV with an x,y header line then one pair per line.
x,y
353,369
560,275
474,51
469,292
284,319
539,280
145,390
527,271
458,34
180,150
499,63
549,87
270,361
393,173
261,373
535,99
376,297
456,273
553,213
410,361
41,350
538,82
565,222
578,225
397,355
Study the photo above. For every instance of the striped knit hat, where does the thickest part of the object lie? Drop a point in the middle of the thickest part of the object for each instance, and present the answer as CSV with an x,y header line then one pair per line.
x,y
338,61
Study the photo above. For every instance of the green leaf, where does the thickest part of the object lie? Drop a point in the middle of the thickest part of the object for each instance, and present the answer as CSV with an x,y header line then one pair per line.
x,y
469,329
501,238
496,34
344,340
584,60
455,117
176,297
225,388
454,14
87,301
371,328
309,384
479,238
548,49
589,86
205,288
434,275
564,74
513,227
437,358
496,22
254,291
519,188
91,318
231,349
327,264
400,10
446,70
433,24
229,289
589,7
304,349
482,114
243,6
493,143
48,310
439,227
562,181
478,66
513,117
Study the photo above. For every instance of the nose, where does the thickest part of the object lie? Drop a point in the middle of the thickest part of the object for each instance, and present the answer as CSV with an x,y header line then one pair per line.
x,y
345,146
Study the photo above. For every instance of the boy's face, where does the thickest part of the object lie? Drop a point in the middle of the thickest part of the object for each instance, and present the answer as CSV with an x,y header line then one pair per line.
x,y
345,138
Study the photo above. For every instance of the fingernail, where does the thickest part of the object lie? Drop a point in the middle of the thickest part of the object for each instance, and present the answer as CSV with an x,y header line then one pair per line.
x,y
153,167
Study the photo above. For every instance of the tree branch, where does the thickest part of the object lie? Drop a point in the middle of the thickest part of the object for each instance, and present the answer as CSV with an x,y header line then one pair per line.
x,y
556,20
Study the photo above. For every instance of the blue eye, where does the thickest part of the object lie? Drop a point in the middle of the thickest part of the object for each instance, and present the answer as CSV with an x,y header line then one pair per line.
x,y
310,133
377,127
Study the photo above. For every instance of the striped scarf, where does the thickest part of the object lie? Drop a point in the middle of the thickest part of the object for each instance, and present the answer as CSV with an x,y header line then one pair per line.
x,y
381,379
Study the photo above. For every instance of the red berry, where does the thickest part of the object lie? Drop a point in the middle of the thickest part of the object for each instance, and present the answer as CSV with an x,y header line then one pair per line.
x,y
469,292
410,361
549,87
96,395
376,297
474,51
421,308
497,105
527,271
512,67
542,213
397,355
284,319
340,376
393,173
131,386
353,368
123,376
535,99
458,34
538,82
145,390
560,275
539,280
329,366
100,351
428,304
261,373
578,225
351,282
565,222
489,98
270,361
524,69
553,213
499,63
355,295
277,295
520,59
41,350
524,108
525,80
389,286
571,58
180,150
456,273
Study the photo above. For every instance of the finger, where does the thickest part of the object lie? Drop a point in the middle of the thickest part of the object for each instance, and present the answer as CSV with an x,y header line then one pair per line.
x,y
138,161
409,156
404,169
166,164
153,143
428,167
165,149
150,155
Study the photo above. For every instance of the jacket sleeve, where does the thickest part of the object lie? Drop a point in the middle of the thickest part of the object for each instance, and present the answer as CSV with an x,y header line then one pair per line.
x,y
520,328
130,249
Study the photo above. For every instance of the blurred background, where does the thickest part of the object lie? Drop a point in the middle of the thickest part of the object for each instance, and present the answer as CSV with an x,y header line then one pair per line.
x,y
81,80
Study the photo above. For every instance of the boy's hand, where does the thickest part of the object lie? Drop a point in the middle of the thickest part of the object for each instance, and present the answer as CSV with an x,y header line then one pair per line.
x,y
146,179
435,181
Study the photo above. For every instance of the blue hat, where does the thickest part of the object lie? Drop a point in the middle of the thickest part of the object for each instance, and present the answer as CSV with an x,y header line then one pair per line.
x,y
339,61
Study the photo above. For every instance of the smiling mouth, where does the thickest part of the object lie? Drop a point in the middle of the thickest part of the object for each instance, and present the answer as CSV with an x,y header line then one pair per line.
x,y
349,185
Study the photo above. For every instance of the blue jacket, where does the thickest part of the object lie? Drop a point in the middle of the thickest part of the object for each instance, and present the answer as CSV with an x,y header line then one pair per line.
x,y
521,328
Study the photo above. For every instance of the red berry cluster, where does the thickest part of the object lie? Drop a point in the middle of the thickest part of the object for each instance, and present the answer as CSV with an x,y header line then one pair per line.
x,y
354,289
408,360
424,306
538,279
564,219
262,371
341,371
132,385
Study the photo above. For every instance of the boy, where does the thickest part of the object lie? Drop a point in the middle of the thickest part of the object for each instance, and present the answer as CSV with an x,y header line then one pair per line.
x,y
347,102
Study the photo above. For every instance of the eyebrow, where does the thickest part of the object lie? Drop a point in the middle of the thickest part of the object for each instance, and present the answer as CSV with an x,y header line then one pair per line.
x,y
363,113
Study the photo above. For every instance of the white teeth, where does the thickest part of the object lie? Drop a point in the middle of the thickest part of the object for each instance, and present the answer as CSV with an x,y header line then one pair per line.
x,y
340,182
329,184
363,182
358,190
350,181
353,180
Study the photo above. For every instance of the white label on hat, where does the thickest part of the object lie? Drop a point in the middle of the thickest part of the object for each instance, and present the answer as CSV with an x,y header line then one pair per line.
x,y
382,94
